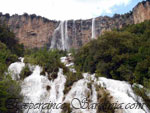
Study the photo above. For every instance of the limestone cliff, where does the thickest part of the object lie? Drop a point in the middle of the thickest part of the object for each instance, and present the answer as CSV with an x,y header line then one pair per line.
x,y
141,12
35,31
31,30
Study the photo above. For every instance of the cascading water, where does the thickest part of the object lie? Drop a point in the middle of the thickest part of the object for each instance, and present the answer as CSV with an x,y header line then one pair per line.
x,y
62,35
123,93
66,36
54,38
74,29
93,28
37,88
61,41
15,69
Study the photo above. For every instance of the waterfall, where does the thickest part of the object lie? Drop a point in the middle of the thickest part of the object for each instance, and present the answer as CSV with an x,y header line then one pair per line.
x,y
54,38
74,28
93,28
122,92
74,31
62,35
66,36
34,89
39,90
60,39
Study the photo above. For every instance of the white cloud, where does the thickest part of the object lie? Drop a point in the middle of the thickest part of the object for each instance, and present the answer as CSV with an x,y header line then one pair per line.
x,y
61,9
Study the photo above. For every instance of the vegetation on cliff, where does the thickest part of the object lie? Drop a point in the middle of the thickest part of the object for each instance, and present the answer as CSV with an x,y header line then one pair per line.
x,y
48,60
121,54
9,52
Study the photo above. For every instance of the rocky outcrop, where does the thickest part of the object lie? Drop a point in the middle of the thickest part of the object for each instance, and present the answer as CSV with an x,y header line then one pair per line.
x,y
141,12
36,32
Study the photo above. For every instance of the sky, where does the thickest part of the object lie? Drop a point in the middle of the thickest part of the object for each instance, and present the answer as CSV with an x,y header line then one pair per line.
x,y
67,9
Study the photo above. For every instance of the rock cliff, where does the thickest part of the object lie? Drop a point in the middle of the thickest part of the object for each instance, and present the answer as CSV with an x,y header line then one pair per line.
x,y
36,32
141,12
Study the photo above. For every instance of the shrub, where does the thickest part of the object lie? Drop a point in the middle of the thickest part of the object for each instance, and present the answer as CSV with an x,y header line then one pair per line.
x,y
9,89
48,60
104,100
25,72
66,108
122,54
8,38
71,78
142,93
6,58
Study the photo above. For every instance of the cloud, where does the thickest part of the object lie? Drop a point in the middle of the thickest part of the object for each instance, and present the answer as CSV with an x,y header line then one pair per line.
x,y
61,9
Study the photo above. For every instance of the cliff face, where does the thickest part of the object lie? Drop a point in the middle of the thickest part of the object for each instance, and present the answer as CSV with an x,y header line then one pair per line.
x,y
35,32
32,31
141,12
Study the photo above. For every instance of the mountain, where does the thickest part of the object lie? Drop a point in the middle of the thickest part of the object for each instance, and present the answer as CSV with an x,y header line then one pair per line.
x,y
36,32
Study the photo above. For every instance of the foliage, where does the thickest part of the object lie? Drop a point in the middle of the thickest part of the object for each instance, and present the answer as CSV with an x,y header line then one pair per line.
x,y
48,60
7,37
123,54
25,72
6,58
66,108
142,93
9,48
71,78
104,100
9,51
9,89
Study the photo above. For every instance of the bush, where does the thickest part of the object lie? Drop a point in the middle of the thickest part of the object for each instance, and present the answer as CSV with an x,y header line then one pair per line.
x,y
142,93
71,78
48,60
66,108
122,54
8,38
6,58
9,51
25,72
107,54
104,100
9,89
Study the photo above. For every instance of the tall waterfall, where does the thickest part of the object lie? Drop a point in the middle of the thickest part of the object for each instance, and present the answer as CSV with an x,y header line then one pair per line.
x,y
93,28
54,38
74,29
60,37
66,36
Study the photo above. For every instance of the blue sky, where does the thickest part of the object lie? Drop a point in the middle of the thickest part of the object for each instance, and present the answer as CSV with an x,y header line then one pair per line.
x,y
68,9
121,9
